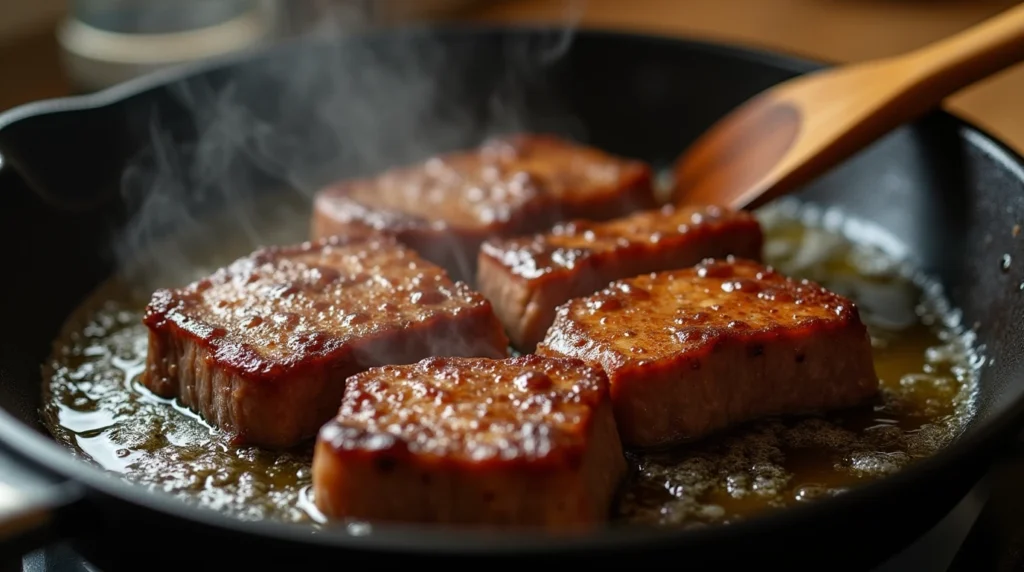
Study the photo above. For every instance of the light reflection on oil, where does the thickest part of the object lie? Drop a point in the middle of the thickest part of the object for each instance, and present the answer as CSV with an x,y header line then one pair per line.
x,y
97,407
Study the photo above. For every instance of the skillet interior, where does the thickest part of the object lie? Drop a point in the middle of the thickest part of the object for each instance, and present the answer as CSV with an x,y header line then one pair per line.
x,y
944,190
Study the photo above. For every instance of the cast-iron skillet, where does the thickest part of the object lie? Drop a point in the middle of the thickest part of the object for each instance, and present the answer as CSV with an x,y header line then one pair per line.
x,y
943,189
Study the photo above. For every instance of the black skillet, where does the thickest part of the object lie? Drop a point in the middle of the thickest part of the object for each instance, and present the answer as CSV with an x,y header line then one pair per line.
x,y
947,191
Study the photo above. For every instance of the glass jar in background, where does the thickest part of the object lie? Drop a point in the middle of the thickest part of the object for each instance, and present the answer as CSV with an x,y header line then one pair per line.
x,y
157,16
105,42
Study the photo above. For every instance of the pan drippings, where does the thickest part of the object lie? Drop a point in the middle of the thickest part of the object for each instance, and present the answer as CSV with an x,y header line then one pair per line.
x,y
96,405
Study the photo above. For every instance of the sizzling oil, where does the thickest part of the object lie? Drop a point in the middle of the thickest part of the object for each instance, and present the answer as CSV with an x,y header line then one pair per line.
x,y
96,405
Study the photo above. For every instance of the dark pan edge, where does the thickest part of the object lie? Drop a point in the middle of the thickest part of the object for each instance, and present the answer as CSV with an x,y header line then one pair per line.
x,y
160,78
978,444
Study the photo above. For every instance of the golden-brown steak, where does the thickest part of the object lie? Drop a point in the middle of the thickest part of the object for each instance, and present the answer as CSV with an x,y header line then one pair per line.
x,y
446,206
525,441
262,347
526,278
691,351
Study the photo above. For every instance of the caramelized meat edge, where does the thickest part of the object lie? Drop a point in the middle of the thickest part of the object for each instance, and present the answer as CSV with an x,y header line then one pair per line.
x,y
445,207
513,442
692,351
261,348
526,278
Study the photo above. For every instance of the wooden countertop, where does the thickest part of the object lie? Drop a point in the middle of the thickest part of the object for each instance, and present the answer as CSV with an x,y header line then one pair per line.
x,y
835,30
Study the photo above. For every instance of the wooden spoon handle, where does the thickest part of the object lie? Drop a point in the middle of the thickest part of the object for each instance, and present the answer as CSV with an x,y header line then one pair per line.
x,y
789,134
946,66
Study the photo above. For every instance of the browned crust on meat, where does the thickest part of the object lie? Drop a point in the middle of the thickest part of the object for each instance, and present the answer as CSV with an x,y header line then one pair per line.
x,y
262,347
526,278
272,415
512,185
520,441
692,351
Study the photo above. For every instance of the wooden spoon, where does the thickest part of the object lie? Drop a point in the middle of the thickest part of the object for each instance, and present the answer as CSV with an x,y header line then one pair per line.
x,y
798,129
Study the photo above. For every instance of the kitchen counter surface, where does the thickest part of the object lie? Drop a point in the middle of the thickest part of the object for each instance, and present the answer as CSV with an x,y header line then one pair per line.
x,y
834,30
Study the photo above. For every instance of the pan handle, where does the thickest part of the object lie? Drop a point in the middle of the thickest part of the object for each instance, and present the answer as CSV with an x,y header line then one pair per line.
x,y
33,503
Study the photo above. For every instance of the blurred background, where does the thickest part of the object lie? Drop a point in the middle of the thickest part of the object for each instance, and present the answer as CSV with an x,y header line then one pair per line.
x,y
50,48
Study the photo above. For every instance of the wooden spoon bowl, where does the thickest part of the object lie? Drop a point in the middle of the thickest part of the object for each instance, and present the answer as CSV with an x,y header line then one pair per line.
x,y
797,130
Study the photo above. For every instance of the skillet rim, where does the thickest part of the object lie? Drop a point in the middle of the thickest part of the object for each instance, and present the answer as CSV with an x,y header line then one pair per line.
x,y
37,449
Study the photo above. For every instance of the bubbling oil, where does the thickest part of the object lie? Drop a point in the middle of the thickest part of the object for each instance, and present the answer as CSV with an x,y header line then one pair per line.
x,y
926,361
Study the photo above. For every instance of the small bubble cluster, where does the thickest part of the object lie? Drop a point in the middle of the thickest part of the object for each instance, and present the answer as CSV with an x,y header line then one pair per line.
x,y
97,406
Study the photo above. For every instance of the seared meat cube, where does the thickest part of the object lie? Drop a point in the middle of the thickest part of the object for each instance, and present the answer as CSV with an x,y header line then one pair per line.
x,y
446,206
526,278
525,441
262,347
691,351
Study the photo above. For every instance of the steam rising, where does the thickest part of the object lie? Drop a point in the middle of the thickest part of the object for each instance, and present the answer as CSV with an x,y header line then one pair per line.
x,y
312,113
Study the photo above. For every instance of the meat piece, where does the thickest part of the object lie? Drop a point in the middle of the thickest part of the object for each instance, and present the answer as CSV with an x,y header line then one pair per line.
x,y
525,441
691,351
262,347
526,278
446,206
